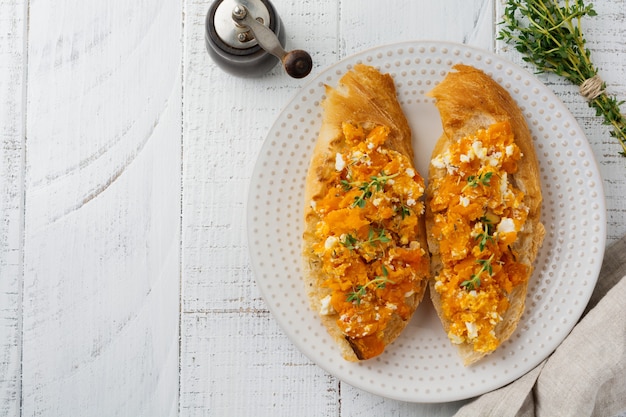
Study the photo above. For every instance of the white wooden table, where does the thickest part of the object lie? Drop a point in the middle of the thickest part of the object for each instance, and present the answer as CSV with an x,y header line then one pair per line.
x,y
125,281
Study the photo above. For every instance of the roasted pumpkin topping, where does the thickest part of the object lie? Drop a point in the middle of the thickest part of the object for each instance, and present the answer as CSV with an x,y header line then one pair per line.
x,y
478,213
367,236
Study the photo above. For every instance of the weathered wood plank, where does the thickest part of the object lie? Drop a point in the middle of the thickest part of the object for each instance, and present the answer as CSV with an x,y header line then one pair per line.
x,y
102,209
12,23
235,361
607,41
234,372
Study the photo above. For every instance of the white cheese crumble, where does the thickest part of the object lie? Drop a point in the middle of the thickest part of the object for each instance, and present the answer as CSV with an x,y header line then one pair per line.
x,y
464,201
330,242
504,184
340,164
494,159
410,172
506,225
438,162
509,150
326,308
472,331
479,150
411,202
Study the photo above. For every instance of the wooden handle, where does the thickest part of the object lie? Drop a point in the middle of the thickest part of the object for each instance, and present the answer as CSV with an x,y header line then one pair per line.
x,y
297,63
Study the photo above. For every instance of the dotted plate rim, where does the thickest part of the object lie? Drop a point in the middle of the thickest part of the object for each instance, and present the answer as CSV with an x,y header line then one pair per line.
x,y
421,365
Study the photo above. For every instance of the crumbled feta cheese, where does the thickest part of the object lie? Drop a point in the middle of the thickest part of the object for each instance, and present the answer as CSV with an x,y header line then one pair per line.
x,y
356,155
479,150
410,172
411,202
391,306
504,184
330,242
326,308
370,145
472,331
506,225
494,159
464,201
465,158
376,202
509,150
340,164
438,162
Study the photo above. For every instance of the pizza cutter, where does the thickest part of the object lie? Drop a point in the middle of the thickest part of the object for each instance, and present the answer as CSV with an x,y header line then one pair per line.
x,y
246,38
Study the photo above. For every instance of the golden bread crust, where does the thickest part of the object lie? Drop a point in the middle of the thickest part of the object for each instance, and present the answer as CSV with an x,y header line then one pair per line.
x,y
366,97
469,100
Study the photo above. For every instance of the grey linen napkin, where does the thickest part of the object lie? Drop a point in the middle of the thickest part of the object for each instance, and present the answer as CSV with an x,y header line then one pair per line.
x,y
586,374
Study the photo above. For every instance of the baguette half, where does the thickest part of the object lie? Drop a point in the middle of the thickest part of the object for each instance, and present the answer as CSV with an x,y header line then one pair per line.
x,y
483,207
365,257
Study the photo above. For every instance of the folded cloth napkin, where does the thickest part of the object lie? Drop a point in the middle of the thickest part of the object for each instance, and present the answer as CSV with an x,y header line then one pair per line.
x,y
586,374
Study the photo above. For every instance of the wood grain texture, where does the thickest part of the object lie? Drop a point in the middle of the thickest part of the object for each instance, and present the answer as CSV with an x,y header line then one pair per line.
x,y
12,21
125,157
102,209
607,42
235,361
232,353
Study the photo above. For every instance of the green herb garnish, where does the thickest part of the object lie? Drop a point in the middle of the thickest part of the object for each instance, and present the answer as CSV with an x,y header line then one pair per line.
x,y
349,241
360,291
550,37
474,281
377,183
486,236
373,236
405,211
482,179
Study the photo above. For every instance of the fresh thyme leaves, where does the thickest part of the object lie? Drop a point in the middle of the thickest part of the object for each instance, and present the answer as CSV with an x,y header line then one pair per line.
x,y
373,236
483,179
346,185
404,211
360,290
379,236
377,183
550,37
485,236
474,281
349,242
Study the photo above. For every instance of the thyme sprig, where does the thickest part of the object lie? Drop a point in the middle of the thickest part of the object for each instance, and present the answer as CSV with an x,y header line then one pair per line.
x,y
482,179
485,237
548,33
360,290
474,281
377,183
373,236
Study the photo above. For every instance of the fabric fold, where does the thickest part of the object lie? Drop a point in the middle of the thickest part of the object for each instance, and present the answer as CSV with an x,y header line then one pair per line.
x,y
586,375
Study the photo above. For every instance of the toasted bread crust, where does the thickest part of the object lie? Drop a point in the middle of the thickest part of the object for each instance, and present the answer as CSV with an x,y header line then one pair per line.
x,y
364,96
469,100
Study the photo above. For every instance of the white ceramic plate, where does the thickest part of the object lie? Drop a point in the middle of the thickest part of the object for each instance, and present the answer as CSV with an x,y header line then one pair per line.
x,y
421,365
